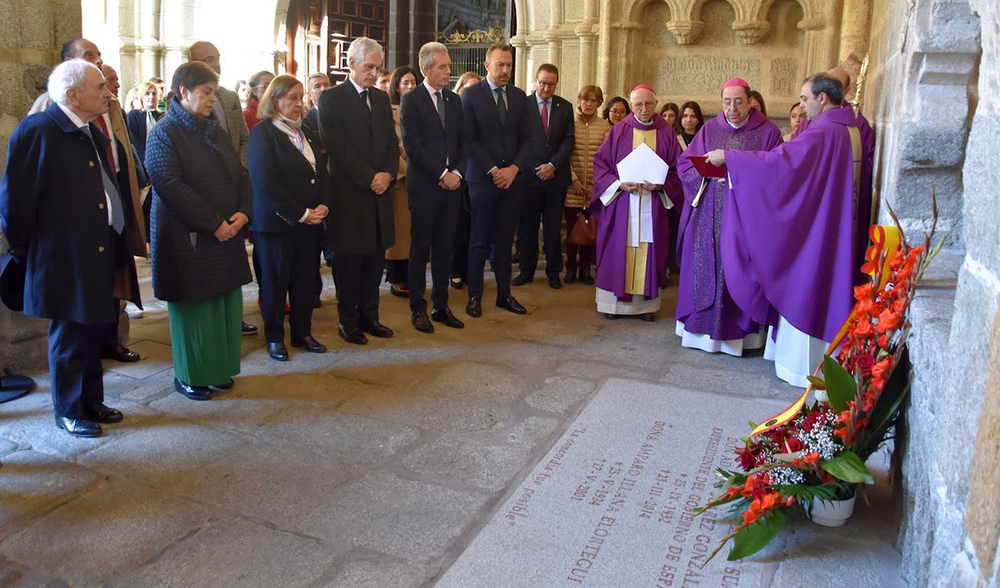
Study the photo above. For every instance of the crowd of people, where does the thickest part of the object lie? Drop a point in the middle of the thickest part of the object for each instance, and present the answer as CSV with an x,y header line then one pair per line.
x,y
388,172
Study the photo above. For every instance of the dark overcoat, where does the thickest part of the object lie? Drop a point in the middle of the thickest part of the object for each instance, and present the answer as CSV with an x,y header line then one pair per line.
x,y
359,143
198,183
55,217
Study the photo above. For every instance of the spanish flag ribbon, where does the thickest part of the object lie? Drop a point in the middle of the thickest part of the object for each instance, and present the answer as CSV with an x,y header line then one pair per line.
x,y
885,243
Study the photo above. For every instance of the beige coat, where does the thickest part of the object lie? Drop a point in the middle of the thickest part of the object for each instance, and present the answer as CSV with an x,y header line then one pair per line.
x,y
589,137
400,203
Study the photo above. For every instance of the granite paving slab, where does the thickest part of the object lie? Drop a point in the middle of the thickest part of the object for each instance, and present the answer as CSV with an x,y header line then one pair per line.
x,y
611,503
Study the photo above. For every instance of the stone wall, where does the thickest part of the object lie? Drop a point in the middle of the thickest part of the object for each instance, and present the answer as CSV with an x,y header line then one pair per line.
x,y
936,79
31,34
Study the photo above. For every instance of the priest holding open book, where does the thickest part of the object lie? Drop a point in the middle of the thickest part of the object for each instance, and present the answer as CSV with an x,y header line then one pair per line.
x,y
710,240
635,183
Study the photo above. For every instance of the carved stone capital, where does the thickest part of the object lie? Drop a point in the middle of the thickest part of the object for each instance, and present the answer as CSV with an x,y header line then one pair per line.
x,y
627,26
518,41
751,32
686,31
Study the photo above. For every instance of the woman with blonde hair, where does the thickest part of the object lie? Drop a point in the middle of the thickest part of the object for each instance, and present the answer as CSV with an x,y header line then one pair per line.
x,y
591,130
144,117
290,200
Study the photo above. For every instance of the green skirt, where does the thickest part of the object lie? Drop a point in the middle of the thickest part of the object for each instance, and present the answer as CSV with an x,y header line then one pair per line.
x,y
205,339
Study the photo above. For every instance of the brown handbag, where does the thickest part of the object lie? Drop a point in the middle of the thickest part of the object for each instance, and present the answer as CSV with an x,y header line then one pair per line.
x,y
584,230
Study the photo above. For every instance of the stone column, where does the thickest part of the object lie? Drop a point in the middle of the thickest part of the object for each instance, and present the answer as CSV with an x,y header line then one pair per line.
x,y
855,29
587,32
604,47
521,74
26,59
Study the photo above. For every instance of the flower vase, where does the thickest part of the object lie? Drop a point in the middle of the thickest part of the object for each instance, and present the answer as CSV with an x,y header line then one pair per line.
x,y
830,513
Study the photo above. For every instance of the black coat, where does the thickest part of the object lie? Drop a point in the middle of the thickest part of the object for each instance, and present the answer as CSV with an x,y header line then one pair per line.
x,y
136,121
198,183
360,143
284,184
492,144
428,146
55,218
555,147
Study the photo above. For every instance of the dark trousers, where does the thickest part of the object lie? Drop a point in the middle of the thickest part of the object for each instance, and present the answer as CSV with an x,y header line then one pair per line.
x,y
358,278
433,215
75,367
460,243
541,204
288,266
494,220
585,252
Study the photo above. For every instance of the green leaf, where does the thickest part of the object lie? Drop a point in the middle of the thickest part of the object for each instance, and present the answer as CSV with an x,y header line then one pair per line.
x,y
818,383
754,537
840,384
848,467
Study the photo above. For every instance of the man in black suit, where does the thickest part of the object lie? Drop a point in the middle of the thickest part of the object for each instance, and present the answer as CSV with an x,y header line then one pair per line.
x,y
500,137
316,84
59,188
355,121
430,118
550,177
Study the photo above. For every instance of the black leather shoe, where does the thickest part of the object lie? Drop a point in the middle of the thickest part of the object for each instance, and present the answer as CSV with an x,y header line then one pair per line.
x,y
193,392
309,344
444,315
647,317
122,354
475,307
522,279
105,414
554,282
610,316
377,329
570,277
586,278
457,285
227,386
399,292
421,323
249,329
352,335
277,351
509,303
79,427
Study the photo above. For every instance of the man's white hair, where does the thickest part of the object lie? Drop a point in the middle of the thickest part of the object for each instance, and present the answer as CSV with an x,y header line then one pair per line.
x,y
68,74
427,52
361,48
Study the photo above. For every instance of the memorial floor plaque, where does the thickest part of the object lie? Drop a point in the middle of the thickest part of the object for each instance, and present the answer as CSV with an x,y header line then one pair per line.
x,y
611,504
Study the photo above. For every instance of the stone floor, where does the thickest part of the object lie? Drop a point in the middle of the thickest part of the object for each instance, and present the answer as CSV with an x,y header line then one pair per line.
x,y
365,466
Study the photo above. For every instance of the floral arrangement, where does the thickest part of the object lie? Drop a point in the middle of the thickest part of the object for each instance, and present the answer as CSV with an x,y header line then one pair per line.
x,y
818,452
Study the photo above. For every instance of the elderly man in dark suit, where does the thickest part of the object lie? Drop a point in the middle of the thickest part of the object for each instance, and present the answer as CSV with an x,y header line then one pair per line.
x,y
59,188
355,122
501,140
550,177
431,122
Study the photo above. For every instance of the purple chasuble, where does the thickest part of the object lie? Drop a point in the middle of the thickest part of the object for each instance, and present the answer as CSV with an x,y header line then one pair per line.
x,y
795,207
612,220
704,304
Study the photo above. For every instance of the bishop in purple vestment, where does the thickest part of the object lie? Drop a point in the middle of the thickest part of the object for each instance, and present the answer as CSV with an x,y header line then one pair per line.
x,y
633,230
796,208
707,317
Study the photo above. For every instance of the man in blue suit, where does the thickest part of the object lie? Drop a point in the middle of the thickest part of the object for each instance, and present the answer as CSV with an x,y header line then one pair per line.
x,y
500,139
67,221
431,122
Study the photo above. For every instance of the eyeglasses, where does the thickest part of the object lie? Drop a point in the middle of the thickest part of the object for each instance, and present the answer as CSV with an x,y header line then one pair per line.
x,y
545,84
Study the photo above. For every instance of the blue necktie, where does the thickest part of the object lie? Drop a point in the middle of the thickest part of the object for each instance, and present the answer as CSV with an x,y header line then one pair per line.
x,y
110,188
